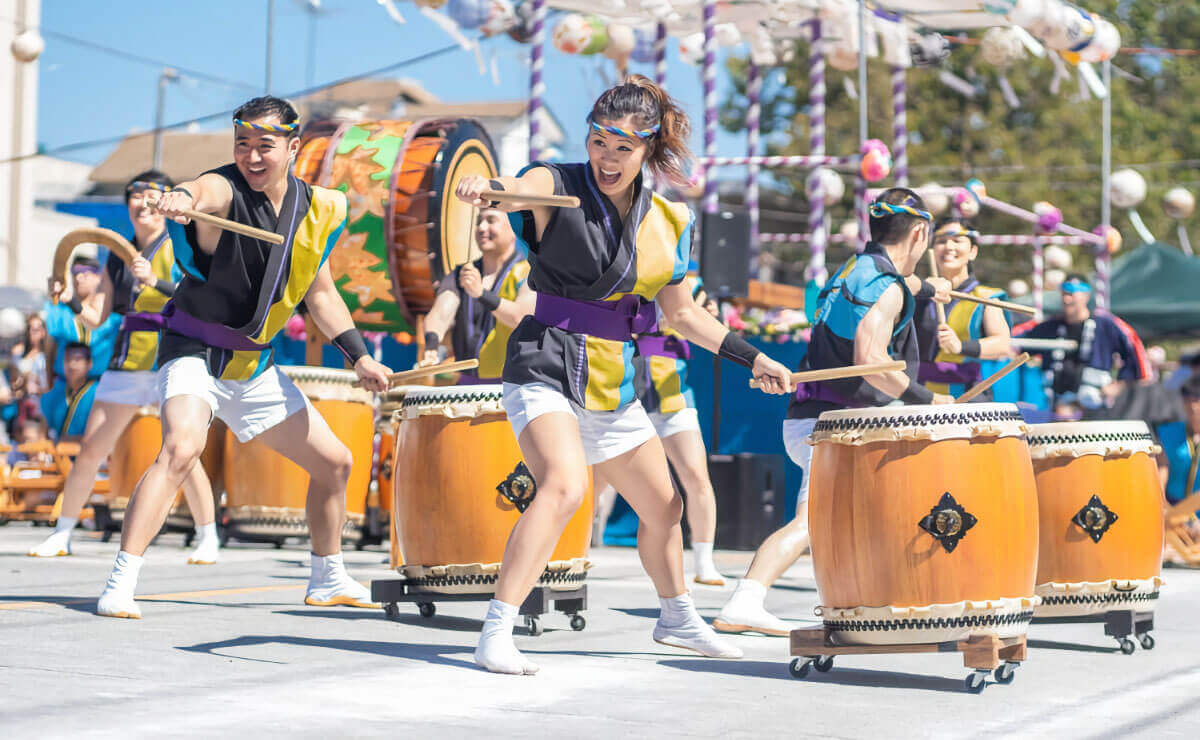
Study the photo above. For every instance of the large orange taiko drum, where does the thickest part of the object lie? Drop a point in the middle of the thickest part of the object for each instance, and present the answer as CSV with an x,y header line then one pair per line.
x,y
265,493
924,523
1100,507
385,451
406,229
135,450
461,485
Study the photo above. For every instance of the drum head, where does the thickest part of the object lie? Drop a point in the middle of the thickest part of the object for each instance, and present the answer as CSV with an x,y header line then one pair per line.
x,y
468,151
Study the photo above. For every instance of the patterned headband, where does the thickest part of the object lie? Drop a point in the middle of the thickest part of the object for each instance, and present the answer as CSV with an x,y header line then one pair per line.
x,y
138,185
273,128
76,269
880,209
643,134
949,231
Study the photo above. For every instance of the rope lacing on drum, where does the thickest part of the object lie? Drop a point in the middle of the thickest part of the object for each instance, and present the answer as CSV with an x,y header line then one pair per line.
x,y
489,579
893,625
1074,439
922,420
453,397
1108,598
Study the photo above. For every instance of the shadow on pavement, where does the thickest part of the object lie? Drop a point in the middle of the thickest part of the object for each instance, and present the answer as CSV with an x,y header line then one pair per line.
x,y
435,654
837,676
447,622
74,603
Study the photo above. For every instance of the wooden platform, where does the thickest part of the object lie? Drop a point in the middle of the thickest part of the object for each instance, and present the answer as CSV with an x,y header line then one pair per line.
x,y
980,652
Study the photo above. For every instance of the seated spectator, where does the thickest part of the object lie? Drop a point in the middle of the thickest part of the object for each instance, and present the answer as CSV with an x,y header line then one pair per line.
x,y
29,430
67,405
1179,440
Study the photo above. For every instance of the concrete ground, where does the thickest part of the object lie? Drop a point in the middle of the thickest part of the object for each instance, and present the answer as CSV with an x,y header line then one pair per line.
x,y
232,650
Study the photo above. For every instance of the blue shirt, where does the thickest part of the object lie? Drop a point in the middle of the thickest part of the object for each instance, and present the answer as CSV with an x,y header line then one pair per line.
x,y
64,326
1177,446
67,413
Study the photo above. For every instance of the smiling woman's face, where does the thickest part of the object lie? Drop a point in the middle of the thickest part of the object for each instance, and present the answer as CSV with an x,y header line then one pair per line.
x,y
616,160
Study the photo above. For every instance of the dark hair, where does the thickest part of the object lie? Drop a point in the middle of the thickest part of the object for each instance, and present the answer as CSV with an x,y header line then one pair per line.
x,y
26,340
77,347
1191,386
963,222
267,106
1077,277
86,261
650,106
892,227
154,176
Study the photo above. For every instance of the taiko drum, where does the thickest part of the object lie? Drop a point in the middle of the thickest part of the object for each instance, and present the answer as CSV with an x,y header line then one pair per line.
x,y
924,523
1100,508
265,493
461,486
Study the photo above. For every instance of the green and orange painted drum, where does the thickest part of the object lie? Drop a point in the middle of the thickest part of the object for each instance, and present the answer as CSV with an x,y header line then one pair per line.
x,y
406,229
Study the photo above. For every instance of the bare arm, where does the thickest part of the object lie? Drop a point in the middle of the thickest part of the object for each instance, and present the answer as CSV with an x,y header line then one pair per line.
x,y
441,317
690,319
95,311
210,193
326,306
537,181
997,341
510,313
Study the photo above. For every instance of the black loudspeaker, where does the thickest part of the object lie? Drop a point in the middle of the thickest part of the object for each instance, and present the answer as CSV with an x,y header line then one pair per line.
x,y
750,498
725,253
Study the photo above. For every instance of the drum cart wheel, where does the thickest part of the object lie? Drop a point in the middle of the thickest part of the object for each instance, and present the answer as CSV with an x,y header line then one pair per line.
x,y
1147,641
1128,627
1127,646
542,600
813,647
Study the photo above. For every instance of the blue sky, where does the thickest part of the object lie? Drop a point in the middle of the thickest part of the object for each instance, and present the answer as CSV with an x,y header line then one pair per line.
x,y
88,94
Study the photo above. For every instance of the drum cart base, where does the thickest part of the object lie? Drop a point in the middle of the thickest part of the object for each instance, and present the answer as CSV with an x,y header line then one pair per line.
x,y
1119,624
395,591
812,647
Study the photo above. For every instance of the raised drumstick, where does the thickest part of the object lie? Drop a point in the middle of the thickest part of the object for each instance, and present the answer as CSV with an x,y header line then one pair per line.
x,y
991,380
933,272
119,245
424,372
507,196
850,371
1007,306
226,224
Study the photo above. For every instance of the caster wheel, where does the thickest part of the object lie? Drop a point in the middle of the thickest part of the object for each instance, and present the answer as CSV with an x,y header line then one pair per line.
x,y
391,610
799,667
1127,646
187,539
976,682
107,536
426,609
533,625
1147,642
823,663
278,544
1006,672
578,622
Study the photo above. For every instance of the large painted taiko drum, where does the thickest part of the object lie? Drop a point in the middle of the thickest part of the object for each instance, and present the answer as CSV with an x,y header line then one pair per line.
x,y
924,523
460,487
1100,507
406,229
265,493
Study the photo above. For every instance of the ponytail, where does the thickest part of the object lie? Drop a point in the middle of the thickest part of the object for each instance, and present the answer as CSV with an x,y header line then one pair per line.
x,y
649,104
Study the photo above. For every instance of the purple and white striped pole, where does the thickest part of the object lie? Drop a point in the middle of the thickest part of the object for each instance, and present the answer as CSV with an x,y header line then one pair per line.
x,y
816,145
710,103
1039,276
537,88
753,111
660,55
860,209
900,126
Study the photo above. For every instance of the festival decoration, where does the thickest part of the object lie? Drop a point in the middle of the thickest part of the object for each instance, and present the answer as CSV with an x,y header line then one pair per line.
x,y
522,28
643,46
580,34
966,199
831,186
1018,288
1001,47
501,18
12,323
1057,258
470,14
1054,279
1049,217
876,160
1127,188
621,41
849,231
691,48
27,46
1179,203
431,4
1112,239
929,50
295,329
934,195
1105,43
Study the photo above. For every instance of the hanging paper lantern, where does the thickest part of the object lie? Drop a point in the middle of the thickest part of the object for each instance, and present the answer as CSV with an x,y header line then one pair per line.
x,y
1112,239
849,230
831,186
999,7
1057,258
469,14
295,329
432,4
966,203
1018,288
12,323
1179,203
1027,13
1127,188
1049,217
27,46
1053,279
976,186
842,58
620,42
691,48
1105,43
1001,47
1073,29
929,50
875,166
579,34
501,18
643,46
936,200
727,35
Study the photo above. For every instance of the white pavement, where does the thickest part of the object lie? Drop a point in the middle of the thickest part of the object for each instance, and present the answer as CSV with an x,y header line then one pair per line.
x,y
231,649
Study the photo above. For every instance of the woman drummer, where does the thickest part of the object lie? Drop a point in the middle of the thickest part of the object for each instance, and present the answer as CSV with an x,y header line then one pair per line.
x,y
951,351
569,377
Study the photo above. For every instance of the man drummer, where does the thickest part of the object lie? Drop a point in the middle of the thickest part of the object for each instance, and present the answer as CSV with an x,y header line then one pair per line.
x,y
215,357
865,317
481,301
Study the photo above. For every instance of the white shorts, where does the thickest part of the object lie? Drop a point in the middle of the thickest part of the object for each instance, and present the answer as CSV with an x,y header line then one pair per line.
x,y
605,434
248,407
667,425
128,388
795,439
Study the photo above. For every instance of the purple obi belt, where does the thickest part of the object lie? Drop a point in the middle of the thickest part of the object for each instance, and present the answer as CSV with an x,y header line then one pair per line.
x,y
818,391
617,320
211,333
950,373
664,345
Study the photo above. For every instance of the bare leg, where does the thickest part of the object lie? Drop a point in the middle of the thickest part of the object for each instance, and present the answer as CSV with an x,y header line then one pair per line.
x,y
305,439
746,610
686,452
105,424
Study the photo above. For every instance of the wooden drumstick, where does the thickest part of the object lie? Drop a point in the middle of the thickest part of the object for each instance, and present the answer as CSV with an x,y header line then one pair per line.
x,y
1014,307
506,196
118,244
991,380
226,224
850,371
424,372
933,272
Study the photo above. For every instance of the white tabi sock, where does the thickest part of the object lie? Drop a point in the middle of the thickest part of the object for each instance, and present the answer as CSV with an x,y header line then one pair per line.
x,y
680,625
496,651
